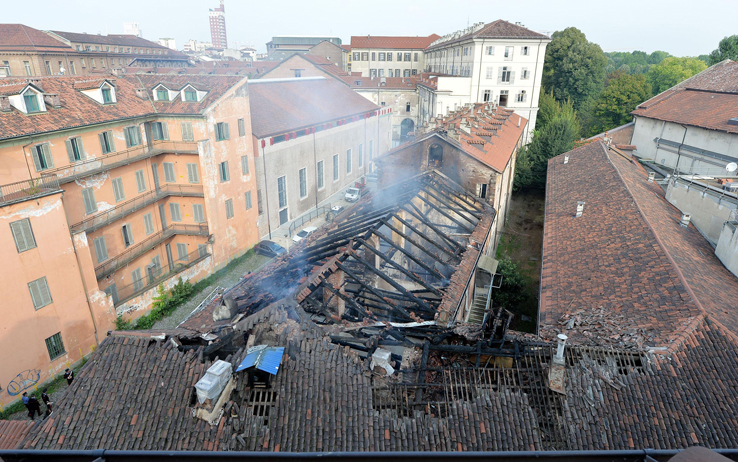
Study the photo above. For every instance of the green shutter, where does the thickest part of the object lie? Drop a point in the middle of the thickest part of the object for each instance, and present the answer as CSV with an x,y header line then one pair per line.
x,y
192,173
118,189
70,151
245,165
23,235
148,224
164,130
47,155
227,131
88,196
111,140
35,153
140,181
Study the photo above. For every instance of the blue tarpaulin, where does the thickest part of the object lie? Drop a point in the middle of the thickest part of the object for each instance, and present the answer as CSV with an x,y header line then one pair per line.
x,y
264,358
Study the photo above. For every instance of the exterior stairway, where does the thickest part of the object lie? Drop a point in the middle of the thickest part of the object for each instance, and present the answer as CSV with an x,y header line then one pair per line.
x,y
476,314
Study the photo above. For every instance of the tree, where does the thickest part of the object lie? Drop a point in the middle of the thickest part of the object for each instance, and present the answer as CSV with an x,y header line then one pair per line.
x,y
671,71
574,69
621,95
727,49
547,109
558,136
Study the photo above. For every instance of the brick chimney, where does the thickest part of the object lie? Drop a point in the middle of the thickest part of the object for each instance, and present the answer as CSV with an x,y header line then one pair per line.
x,y
52,99
5,104
142,93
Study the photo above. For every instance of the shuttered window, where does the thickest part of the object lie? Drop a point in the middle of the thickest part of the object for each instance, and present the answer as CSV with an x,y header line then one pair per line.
x,y
221,131
303,183
127,235
159,131
42,159
137,279
202,250
247,196
187,134
182,252
174,212
101,249
40,294
112,290
229,208
23,235
245,165
198,212
107,143
55,346
241,128
148,224
259,206
132,135
193,176
169,172
348,161
361,154
75,149
335,167
118,189
225,175
140,181
88,197
321,176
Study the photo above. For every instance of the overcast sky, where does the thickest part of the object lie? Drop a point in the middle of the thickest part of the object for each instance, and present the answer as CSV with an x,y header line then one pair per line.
x,y
680,27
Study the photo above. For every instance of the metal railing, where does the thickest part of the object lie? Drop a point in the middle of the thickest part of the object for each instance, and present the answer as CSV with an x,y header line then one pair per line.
x,y
28,189
158,276
135,251
101,219
308,217
93,165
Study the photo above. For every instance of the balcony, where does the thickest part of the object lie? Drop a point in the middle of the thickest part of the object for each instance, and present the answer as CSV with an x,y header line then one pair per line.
x,y
28,189
135,251
157,276
107,217
102,163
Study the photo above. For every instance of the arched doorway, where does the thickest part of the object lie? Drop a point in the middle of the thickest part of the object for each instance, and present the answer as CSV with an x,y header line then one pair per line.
x,y
435,155
407,127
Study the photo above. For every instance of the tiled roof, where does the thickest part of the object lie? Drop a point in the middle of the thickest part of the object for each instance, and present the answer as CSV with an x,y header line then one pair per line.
x,y
11,89
721,77
284,105
395,43
90,84
114,40
12,432
499,29
326,65
19,37
395,83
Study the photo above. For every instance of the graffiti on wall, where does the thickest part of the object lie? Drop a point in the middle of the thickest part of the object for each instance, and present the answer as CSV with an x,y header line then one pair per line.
x,y
24,381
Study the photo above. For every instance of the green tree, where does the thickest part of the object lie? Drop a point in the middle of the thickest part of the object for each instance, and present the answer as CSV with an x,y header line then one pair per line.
x,y
547,109
621,95
558,136
671,71
512,293
727,49
574,68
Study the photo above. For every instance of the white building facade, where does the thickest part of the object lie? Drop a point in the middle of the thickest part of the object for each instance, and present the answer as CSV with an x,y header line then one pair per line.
x,y
389,56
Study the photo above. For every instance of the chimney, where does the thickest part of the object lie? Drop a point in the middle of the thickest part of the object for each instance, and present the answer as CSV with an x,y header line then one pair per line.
x,y
651,176
52,99
685,220
566,159
142,93
559,358
580,208
518,121
5,104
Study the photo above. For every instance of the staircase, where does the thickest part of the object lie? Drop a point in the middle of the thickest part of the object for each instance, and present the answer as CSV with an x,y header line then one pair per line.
x,y
476,314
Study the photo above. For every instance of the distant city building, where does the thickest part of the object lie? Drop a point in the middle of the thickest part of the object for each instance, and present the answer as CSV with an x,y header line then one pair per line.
x,y
132,28
284,46
248,53
168,42
218,27
389,56
193,46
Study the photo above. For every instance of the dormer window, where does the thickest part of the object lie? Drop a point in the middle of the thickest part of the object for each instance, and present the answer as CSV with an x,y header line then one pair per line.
x,y
162,94
31,100
190,94
107,95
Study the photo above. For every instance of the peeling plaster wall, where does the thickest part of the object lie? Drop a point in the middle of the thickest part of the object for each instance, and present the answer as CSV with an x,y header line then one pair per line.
x,y
397,99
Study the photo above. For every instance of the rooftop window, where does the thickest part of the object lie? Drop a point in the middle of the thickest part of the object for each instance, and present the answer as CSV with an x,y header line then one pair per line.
x,y
31,100
107,95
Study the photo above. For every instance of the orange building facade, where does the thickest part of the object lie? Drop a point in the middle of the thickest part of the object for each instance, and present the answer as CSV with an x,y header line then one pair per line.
x,y
110,188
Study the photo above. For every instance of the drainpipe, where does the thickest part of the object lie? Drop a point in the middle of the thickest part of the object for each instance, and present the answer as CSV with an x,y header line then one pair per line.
x,y
266,193
84,286
315,165
679,151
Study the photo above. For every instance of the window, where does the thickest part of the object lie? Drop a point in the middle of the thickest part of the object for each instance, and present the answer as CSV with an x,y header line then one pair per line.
x,y
399,57
245,165
508,53
372,73
361,155
224,173
107,95
482,190
356,56
490,51
31,100
92,62
148,224
321,176
137,279
348,161
521,97
55,346
140,181
181,251
505,75
282,191
198,213
335,167
229,208
190,95
159,131
221,131
23,235
374,56
364,57
106,142
389,56
381,73
202,250
174,211
82,61
88,197
187,134
169,176
406,73
407,57
524,51
101,249
132,135
48,68
303,183
127,234
389,73
415,57
258,202
75,150
241,128
72,68
407,107
118,189
382,56
490,72
27,65
193,176
112,290
162,94
298,72
525,74
247,197
503,98
371,150
487,95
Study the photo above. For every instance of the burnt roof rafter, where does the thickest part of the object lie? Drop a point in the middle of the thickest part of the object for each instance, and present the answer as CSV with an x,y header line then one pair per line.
x,y
438,209
462,197
418,261
450,206
418,244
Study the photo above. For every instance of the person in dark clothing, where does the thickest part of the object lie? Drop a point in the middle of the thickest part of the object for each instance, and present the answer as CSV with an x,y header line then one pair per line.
x,y
69,375
47,401
33,407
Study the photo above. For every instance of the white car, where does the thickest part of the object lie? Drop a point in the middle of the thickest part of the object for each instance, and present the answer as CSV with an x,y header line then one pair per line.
x,y
352,194
305,232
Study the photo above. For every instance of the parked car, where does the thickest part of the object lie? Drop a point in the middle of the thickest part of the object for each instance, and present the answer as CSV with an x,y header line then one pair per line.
x,y
305,232
269,249
352,194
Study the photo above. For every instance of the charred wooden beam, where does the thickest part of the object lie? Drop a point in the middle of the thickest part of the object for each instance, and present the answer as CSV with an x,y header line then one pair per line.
x,y
412,257
360,310
450,205
439,210
478,211
441,234
421,372
417,244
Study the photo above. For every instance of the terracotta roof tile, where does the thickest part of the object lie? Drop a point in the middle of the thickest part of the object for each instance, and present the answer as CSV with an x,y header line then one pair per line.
x,y
396,43
19,37
12,432
497,29
114,39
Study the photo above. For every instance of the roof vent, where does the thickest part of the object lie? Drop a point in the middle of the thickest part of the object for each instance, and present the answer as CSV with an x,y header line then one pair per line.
x,y
142,93
5,104
559,358
651,176
733,121
580,208
685,220
566,159
52,99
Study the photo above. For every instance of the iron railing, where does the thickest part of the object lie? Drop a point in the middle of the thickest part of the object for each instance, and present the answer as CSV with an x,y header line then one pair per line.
x,y
158,275
135,251
93,165
28,189
101,219
308,217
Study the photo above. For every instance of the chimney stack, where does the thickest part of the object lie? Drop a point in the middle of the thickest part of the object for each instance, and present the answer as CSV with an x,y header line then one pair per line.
x,y
559,358
5,104
580,208
142,93
651,176
685,220
566,159
52,99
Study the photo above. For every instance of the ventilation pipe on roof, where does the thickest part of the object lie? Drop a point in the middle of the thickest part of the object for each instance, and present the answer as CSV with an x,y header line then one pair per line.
x,y
580,208
559,358
52,99
685,220
566,159
518,121
142,93
5,104
651,176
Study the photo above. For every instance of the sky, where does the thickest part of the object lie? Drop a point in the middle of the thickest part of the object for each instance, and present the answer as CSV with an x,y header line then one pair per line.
x,y
679,27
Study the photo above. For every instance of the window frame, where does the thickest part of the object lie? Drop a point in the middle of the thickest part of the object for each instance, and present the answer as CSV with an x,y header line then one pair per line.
x,y
229,209
302,178
59,346
320,168
44,302
336,167
19,228
224,173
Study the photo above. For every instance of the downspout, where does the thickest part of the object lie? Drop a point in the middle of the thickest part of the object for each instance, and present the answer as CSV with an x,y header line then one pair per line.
x,y
479,80
315,165
266,193
84,286
679,151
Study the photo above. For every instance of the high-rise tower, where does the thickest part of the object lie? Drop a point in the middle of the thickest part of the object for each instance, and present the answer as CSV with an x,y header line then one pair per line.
x,y
218,27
